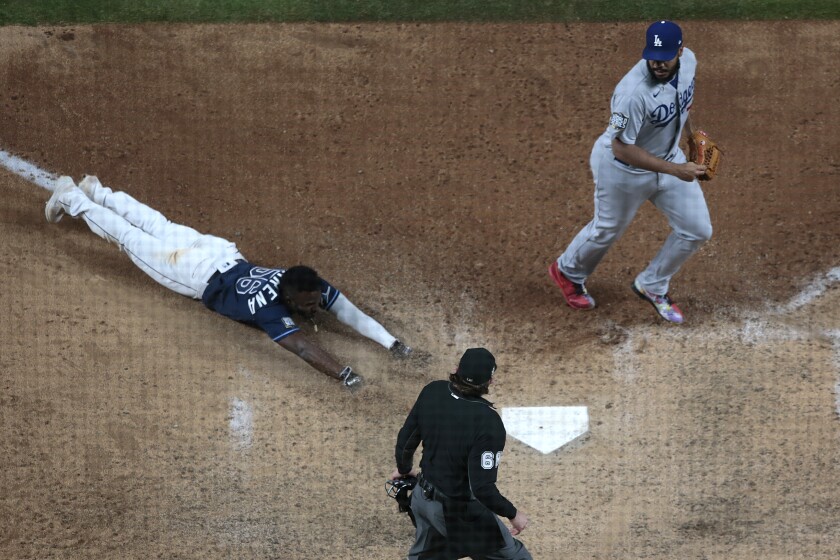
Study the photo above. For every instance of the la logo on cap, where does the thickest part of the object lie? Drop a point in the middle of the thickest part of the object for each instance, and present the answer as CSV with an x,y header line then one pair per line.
x,y
663,41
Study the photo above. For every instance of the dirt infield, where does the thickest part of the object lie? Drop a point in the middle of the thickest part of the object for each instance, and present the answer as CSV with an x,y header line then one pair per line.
x,y
431,172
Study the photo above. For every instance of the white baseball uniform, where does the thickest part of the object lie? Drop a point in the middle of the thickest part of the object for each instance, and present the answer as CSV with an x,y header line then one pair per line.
x,y
175,256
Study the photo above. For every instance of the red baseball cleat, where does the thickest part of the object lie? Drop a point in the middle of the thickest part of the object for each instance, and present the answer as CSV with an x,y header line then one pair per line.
x,y
575,294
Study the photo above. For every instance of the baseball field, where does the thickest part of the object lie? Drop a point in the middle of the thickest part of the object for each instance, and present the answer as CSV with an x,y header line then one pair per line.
x,y
431,165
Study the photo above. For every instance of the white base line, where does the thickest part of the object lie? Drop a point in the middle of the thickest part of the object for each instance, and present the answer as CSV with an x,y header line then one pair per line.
x,y
814,290
241,421
28,171
834,335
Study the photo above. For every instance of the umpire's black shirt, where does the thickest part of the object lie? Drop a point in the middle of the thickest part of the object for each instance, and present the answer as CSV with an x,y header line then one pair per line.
x,y
463,438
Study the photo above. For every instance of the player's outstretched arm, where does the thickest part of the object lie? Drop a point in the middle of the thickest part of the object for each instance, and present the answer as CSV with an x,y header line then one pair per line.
x,y
312,354
363,324
642,159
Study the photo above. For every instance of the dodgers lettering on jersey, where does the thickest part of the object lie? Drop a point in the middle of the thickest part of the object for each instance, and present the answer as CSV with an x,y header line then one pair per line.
x,y
662,115
650,114
251,295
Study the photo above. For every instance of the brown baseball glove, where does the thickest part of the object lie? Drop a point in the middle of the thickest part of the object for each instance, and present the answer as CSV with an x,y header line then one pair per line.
x,y
702,150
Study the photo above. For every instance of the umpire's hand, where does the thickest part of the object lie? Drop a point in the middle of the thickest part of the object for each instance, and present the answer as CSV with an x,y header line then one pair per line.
x,y
396,474
518,523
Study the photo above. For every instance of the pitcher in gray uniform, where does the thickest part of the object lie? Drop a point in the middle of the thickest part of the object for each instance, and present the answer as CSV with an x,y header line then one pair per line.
x,y
638,158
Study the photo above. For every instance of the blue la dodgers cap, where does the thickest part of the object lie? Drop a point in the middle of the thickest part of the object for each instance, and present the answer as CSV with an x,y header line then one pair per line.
x,y
664,39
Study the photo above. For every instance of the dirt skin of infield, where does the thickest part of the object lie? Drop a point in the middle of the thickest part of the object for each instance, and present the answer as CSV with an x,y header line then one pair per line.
x,y
431,172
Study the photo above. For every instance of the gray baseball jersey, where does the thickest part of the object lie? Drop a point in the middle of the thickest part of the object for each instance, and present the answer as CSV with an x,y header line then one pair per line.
x,y
651,115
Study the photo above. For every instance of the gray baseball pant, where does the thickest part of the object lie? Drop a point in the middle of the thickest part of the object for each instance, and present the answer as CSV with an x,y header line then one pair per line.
x,y
618,196
430,534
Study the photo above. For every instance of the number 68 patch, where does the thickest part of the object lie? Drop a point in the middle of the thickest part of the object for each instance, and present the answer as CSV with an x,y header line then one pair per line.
x,y
618,121
490,460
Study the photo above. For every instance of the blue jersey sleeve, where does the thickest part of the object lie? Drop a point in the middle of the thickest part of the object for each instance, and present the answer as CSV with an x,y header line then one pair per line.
x,y
328,295
276,321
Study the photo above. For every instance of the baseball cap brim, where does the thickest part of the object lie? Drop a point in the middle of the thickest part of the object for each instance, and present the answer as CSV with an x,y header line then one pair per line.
x,y
659,54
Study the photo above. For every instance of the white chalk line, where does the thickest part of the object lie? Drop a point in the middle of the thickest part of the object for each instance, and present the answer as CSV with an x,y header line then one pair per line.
x,y
241,422
241,416
626,356
754,330
814,290
28,171
834,335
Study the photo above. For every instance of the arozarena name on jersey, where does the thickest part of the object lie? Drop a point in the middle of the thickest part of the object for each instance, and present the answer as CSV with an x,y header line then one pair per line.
x,y
665,113
262,284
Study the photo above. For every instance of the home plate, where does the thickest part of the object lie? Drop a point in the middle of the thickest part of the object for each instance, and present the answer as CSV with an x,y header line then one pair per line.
x,y
546,428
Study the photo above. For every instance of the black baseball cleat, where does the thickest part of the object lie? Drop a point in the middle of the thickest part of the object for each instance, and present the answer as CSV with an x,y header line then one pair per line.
x,y
350,379
400,350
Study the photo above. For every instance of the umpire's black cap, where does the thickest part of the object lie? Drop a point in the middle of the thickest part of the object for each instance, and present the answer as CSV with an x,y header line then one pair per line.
x,y
476,366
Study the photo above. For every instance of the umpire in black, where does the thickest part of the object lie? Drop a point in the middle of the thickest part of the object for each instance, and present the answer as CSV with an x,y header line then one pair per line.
x,y
456,501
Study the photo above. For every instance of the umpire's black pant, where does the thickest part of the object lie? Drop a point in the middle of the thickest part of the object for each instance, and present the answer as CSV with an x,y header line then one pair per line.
x,y
430,535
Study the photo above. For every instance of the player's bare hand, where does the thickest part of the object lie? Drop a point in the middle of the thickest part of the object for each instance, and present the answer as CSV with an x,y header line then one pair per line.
x,y
689,171
519,523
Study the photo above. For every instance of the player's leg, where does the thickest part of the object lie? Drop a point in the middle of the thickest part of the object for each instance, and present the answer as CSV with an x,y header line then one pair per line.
x,y
202,252
144,217
170,269
685,206
430,534
618,196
